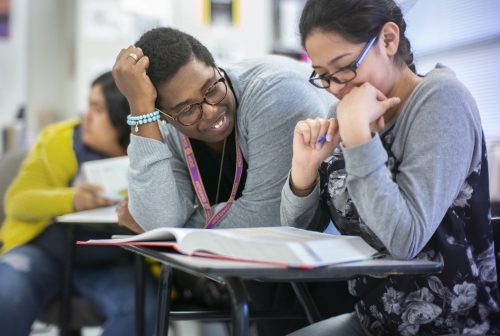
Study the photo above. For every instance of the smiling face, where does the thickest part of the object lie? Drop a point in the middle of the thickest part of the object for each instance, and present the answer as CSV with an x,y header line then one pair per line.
x,y
330,52
189,85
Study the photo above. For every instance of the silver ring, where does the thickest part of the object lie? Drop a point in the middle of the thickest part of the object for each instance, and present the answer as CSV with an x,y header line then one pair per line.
x,y
134,56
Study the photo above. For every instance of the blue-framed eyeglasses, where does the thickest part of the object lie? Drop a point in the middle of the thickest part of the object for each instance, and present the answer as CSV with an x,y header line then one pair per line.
x,y
343,75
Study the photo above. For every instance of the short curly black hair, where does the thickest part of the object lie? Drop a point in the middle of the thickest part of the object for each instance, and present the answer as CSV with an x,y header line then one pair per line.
x,y
169,49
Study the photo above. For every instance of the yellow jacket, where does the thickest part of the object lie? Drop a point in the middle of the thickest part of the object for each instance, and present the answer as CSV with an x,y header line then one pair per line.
x,y
40,191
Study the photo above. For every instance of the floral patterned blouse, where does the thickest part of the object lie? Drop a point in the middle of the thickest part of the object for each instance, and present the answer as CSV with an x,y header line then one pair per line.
x,y
463,298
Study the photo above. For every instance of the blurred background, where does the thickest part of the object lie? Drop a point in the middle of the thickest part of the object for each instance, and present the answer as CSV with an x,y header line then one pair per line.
x,y
50,50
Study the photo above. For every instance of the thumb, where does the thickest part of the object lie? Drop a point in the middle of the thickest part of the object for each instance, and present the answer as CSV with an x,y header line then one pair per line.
x,y
388,103
394,101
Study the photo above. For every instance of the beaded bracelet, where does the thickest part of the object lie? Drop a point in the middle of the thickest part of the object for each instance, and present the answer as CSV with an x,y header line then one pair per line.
x,y
142,119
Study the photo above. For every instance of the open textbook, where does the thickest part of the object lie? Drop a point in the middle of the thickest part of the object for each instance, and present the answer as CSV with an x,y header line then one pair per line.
x,y
286,246
111,174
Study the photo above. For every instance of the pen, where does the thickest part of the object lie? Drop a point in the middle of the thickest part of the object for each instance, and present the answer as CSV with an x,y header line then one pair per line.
x,y
323,138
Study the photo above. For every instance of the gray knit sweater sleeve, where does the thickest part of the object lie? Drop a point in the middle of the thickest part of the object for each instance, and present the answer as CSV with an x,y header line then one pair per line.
x,y
437,142
273,95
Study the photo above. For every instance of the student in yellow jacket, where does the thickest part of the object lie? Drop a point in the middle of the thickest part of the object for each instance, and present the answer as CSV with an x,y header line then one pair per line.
x,y
32,255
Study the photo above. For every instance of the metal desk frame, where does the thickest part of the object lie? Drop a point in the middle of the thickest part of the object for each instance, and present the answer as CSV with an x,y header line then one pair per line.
x,y
65,311
232,273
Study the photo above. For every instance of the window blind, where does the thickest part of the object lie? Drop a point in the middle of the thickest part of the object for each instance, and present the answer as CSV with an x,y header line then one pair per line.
x,y
465,36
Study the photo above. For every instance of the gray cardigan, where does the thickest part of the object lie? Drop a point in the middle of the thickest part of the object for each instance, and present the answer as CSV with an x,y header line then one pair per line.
x,y
437,139
273,95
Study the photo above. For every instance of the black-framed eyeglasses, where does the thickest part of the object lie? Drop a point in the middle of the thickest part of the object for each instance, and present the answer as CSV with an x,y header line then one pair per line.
x,y
190,114
343,75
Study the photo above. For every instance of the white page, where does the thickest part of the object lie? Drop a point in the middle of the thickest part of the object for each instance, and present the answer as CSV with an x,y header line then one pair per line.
x,y
159,234
99,215
111,174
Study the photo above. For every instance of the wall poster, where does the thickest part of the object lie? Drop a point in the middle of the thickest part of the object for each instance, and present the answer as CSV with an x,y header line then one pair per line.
x,y
221,12
4,18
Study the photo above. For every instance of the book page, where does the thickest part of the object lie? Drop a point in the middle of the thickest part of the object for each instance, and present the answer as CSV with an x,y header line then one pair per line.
x,y
99,215
286,234
156,235
286,245
111,174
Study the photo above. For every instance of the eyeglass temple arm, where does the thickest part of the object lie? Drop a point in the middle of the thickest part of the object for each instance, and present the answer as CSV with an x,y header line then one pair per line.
x,y
365,51
165,114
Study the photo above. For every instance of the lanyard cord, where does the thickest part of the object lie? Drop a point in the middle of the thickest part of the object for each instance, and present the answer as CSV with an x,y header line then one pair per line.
x,y
220,172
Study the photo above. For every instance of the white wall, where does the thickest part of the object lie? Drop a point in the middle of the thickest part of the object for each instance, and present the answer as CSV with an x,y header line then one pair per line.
x,y
58,47
49,73
252,37
103,28
13,64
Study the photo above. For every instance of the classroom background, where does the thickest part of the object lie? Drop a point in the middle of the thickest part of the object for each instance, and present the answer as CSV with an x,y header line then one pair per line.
x,y
50,50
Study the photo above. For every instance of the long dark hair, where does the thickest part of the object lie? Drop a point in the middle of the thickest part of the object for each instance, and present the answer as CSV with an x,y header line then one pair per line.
x,y
117,105
357,21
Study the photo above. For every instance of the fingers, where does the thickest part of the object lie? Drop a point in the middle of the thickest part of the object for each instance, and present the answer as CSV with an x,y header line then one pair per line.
x,y
89,187
379,95
324,125
143,63
86,197
381,123
95,201
303,129
332,133
134,51
387,102
124,58
312,130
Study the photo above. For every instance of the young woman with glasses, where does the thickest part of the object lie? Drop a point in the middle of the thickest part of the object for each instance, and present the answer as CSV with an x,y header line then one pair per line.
x,y
403,165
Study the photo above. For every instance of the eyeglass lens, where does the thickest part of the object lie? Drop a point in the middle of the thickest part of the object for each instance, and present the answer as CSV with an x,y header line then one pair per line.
x,y
340,77
214,95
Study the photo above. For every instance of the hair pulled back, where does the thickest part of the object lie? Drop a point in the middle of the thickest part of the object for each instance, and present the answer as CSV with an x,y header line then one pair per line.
x,y
357,21
117,105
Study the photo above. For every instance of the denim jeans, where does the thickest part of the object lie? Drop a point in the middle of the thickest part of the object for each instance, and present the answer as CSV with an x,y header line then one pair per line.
x,y
342,325
31,278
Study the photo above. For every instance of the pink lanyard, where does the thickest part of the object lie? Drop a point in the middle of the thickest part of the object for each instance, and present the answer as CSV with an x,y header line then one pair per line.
x,y
211,220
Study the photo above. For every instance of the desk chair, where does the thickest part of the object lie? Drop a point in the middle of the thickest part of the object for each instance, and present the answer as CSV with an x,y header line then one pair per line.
x,y
495,208
82,312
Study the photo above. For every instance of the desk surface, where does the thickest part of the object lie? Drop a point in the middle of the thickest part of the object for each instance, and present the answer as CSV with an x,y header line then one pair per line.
x,y
218,268
105,215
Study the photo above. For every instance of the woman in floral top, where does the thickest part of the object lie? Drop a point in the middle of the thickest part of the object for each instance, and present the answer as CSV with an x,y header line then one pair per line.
x,y
404,166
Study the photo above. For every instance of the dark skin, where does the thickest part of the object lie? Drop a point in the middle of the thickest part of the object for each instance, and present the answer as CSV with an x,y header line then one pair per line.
x,y
189,85
125,218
